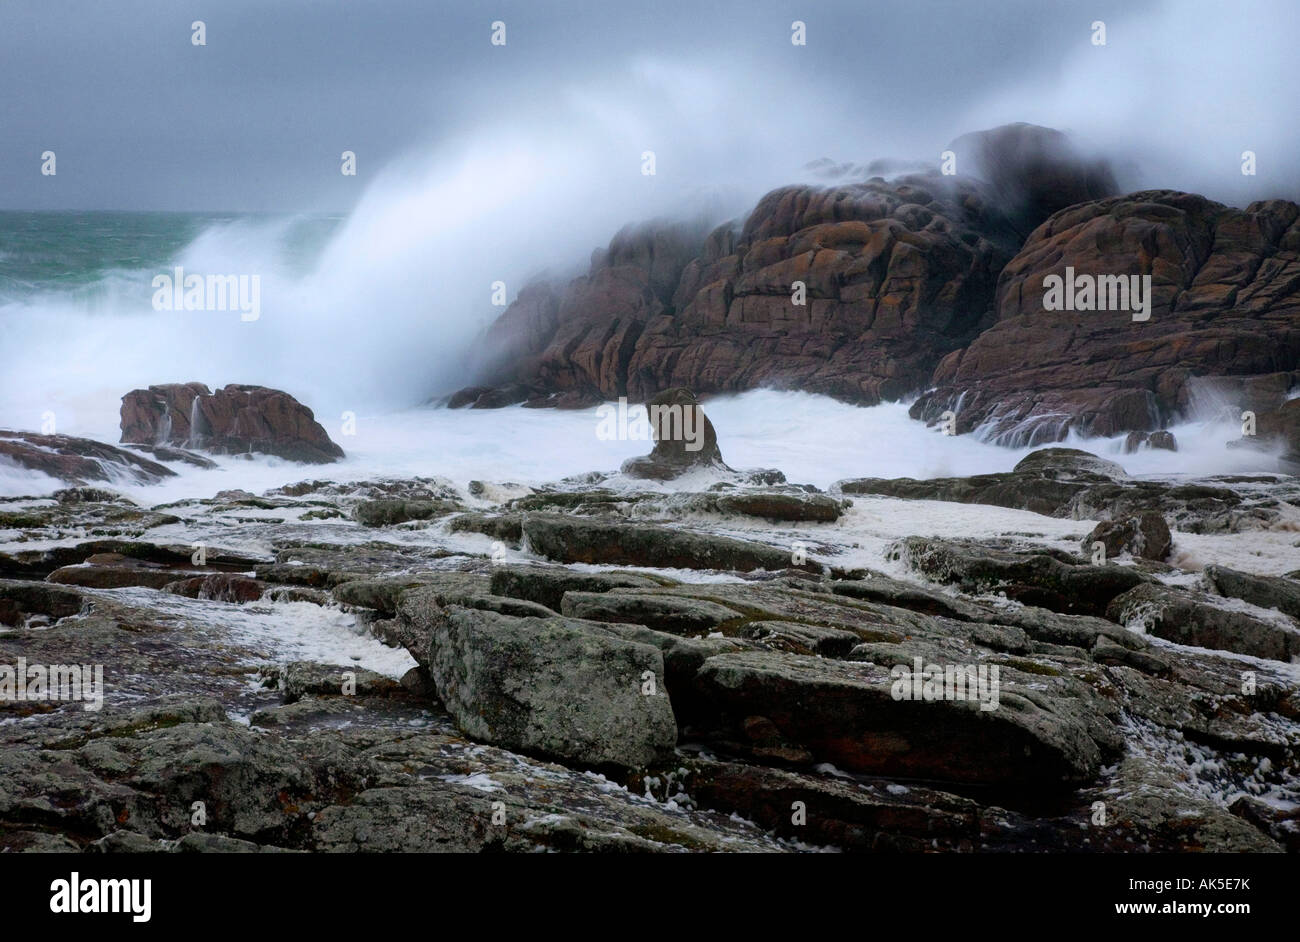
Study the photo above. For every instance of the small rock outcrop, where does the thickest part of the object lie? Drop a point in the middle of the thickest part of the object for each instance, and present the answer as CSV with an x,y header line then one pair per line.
x,y
1145,535
1162,440
78,460
236,419
684,438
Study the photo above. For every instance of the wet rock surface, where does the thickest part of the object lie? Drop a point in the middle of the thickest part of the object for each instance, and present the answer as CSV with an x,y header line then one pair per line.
x,y
78,460
1223,304
1064,482
895,275
233,420
651,670
683,435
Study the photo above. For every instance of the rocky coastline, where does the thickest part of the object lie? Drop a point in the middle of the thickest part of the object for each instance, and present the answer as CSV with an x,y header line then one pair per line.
x,y
697,659
928,286
684,656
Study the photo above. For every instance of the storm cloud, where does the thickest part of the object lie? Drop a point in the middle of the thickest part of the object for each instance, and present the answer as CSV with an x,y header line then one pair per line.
x,y
256,119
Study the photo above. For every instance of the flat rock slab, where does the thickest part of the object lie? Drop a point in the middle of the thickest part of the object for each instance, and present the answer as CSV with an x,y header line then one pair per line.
x,y
813,709
1265,591
552,686
331,566
773,506
679,616
385,513
1034,577
576,540
110,576
42,562
1190,618
547,585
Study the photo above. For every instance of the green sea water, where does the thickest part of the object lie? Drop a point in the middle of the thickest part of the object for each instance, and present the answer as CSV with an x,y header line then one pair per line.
x,y
82,253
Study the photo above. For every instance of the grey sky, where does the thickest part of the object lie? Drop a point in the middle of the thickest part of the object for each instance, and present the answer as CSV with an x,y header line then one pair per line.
x,y
257,118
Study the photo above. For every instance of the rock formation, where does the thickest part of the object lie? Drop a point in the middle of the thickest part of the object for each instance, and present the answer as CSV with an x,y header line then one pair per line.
x,y
77,460
234,420
896,274
932,284
974,694
684,438
1225,302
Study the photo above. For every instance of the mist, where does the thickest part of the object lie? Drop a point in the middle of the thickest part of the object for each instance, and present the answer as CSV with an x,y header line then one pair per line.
x,y
474,171
1176,96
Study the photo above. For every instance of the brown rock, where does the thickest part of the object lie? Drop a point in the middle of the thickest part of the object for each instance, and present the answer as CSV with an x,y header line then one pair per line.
x,y
1163,440
569,346
236,419
77,460
896,275
1225,301
219,586
1145,534
684,438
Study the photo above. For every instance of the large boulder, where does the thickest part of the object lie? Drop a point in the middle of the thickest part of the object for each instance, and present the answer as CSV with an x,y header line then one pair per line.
x,y
236,419
1067,463
552,686
1225,300
1145,535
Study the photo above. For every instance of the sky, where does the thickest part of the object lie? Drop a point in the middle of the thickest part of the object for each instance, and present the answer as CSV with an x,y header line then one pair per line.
x,y
257,119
